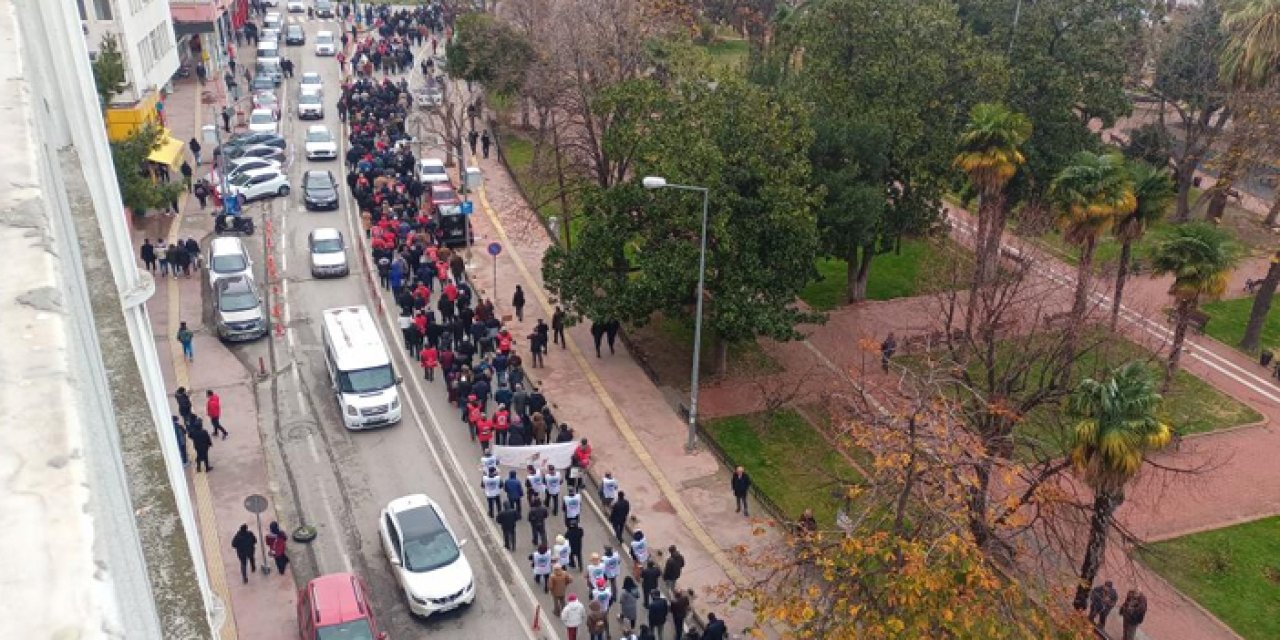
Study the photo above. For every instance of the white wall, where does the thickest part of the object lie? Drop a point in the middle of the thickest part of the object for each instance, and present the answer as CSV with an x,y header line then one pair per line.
x,y
134,30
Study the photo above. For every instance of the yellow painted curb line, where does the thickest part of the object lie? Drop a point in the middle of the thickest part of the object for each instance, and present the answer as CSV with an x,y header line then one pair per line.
x,y
209,538
624,427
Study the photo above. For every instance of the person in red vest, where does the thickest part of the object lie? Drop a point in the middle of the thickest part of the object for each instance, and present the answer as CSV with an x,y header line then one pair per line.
x,y
213,408
581,461
501,422
430,358
484,432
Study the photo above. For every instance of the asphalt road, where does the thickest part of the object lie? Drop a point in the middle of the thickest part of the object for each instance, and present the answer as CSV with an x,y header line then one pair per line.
x,y
338,481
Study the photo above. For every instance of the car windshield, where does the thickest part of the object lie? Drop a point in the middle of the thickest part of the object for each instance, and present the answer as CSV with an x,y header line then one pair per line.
x,y
443,195
309,98
319,181
265,98
367,380
238,298
240,179
328,245
427,544
324,38
310,78
433,169
262,118
354,630
228,263
319,136
295,30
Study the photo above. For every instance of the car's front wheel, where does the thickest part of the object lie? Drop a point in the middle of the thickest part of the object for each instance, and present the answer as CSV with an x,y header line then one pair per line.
x,y
284,191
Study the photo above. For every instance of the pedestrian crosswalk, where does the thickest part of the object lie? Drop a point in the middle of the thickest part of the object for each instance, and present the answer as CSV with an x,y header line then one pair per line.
x,y
294,18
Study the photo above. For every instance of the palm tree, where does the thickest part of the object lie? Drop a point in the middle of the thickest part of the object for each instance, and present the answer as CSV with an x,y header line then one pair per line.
x,y
1262,302
1199,256
1090,194
1117,427
1153,189
990,154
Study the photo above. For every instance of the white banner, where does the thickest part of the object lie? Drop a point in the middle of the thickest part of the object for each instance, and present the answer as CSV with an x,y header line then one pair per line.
x,y
540,455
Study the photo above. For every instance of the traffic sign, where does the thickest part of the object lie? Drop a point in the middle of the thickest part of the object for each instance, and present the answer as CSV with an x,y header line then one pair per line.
x,y
467,207
494,249
255,503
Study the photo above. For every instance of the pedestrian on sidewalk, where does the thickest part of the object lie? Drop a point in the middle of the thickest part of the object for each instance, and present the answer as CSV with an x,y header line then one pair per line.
x,y
597,334
611,329
658,610
246,546
201,192
558,585
278,547
517,301
1102,599
187,172
887,349
162,257
227,112
540,560
672,569
537,347
507,519
649,577
148,255
202,74
213,409
485,141
573,535
193,252
629,603
181,435
184,404
1133,612
680,605
618,514
741,484
202,442
472,138
715,629
194,146
185,337
557,328
573,616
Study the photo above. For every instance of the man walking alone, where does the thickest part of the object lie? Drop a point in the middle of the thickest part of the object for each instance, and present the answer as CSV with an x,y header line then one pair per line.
x,y
213,409
741,484
246,546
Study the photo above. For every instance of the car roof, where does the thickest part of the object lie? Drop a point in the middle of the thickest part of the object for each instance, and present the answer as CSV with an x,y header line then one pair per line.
x,y
319,172
262,171
417,521
325,233
265,111
431,162
234,283
334,599
317,127
225,244
308,74
324,33
295,27
442,187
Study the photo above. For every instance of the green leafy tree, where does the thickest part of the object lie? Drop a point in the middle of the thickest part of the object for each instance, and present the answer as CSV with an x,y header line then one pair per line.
x,y
637,251
108,70
491,52
1153,190
138,190
1117,426
1090,195
1199,256
888,97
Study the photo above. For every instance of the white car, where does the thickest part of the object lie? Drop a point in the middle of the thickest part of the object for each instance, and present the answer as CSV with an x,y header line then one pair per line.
x,y
260,183
431,171
321,144
326,44
425,555
296,6
273,20
310,106
227,259
311,83
237,166
269,34
263,121
328,253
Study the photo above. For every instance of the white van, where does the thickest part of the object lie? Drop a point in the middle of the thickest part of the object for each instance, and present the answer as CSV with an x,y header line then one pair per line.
x,y
364,382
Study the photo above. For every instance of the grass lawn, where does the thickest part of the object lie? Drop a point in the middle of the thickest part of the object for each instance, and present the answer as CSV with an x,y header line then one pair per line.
x,y
893,275
1233,572
786,458
728,53
1229,317
540,186
745,358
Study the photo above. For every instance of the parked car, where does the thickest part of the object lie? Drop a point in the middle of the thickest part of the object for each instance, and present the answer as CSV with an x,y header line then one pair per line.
x,y
252,139
294,35
259,184
328,253
432,171
324,8
320,145
258,151
263,121
319,190
270,68
311,82
326,44
240,165
267,100
426,556
296,6
272,20
263,82
228,258
237,308
310,106
337,607
443,194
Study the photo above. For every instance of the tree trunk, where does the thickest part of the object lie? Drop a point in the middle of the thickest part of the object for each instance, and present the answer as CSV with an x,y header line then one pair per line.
x,y
1261,305
1182,318
1122,274
1185,175
721,356
979,494
1274,211
858,269
1079,308
1104,505
1226,180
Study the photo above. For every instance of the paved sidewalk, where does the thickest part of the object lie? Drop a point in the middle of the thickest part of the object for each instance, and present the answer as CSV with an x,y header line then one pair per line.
x,y
265,607
677,498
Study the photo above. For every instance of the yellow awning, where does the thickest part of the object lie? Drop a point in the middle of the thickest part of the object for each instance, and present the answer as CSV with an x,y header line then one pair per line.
x,y
169,152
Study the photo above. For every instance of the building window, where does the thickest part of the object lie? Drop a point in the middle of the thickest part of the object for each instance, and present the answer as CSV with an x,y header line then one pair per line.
x,y
83,14
155,46
102,10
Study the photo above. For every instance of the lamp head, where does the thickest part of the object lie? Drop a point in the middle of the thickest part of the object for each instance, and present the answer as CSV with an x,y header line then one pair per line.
x,y
653,182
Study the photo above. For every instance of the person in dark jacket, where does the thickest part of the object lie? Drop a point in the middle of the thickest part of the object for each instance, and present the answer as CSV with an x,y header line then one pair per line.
x,y
557,328
611,329
278,546
148,255
658,612
184,403
514,489
672,569
517,301
715,629
193,252
507,518
741,484
574,535
649,577
597,334
680,610
201,441
618,514
538,522
246,546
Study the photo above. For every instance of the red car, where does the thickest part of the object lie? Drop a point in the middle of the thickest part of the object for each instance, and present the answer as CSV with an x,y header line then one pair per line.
x,y
443,194
337,606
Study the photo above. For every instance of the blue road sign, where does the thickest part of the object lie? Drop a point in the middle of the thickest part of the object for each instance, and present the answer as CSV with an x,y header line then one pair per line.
x,y
494,249
467,207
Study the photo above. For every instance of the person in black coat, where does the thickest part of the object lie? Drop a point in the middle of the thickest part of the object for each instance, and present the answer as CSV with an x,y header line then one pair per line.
x,y
507,518
574,535
148,255
184,403
741,484
201,441
538,522
658,610
517,301
597,334
619,513
715,629
246,545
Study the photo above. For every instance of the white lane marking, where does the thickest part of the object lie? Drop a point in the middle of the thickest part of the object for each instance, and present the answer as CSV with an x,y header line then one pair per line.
x,y
288,335
311,444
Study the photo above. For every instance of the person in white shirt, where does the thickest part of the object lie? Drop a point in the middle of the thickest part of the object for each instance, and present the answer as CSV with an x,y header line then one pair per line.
x,y
573,615
488,461
639,549
552,480
595,569
612,567
608,488
534,484
602,593
492,485
572,507
541,562
560,551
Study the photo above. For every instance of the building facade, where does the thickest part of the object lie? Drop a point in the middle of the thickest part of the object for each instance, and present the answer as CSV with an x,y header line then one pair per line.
x,y
144,31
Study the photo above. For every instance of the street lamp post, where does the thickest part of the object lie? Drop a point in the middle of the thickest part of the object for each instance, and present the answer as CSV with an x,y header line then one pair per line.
x,y
655,182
